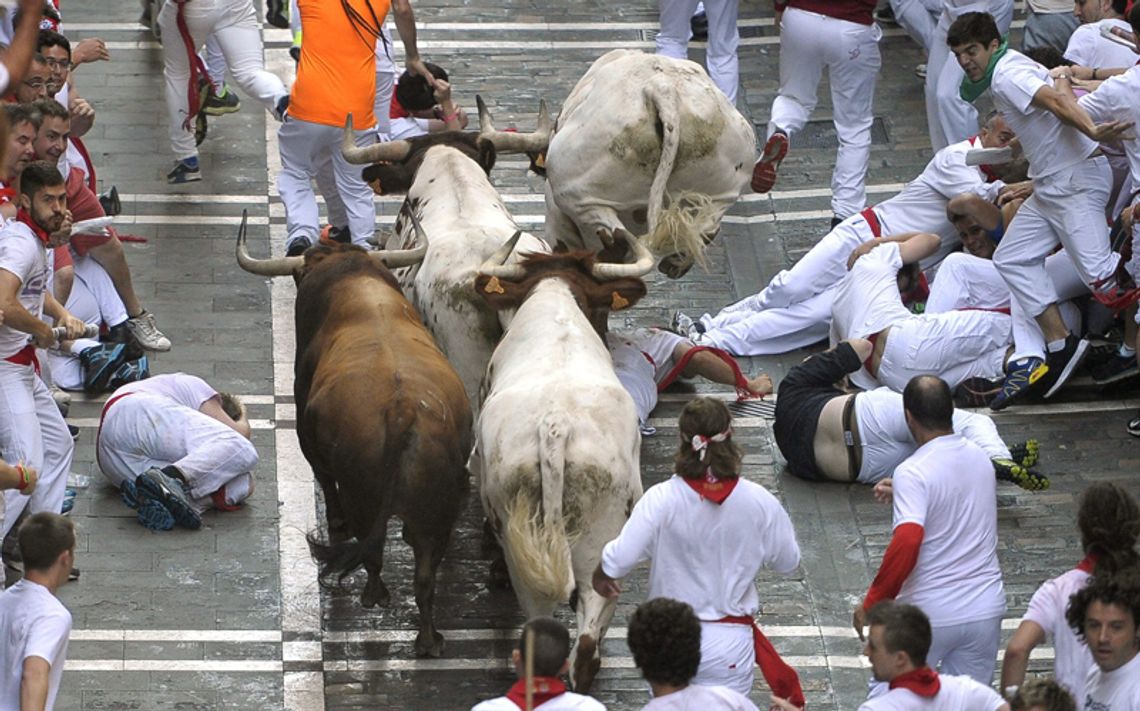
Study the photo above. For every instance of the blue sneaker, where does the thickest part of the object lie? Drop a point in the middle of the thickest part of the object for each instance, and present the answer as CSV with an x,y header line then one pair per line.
x,y
158,486
1020,378
130,372
186,171
154,516
129,494
99,365
68,505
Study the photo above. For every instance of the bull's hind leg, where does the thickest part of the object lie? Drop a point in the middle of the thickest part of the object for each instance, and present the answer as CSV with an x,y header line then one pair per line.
x,y
334,513
594,615
428,547
375,591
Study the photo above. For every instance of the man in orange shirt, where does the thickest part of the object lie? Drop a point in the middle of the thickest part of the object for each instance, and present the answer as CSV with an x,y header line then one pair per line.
x,y
336,77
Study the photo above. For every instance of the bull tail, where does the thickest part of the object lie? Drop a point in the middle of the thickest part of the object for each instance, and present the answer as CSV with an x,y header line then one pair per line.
x,y
663,96
344,558
536,544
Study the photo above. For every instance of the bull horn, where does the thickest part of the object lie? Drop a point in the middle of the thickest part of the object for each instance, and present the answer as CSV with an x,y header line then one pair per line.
x,y
496,266
390,151
280,266
397,258
604,271
511,142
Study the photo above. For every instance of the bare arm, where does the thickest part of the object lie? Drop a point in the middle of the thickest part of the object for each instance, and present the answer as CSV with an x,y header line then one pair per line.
x,y
712,367
406,26
19,54
34,684
16,316
1061,103
984,212
1016,661
213,408
913,247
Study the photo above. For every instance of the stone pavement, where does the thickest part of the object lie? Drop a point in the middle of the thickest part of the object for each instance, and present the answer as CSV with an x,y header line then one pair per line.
x,y
232,617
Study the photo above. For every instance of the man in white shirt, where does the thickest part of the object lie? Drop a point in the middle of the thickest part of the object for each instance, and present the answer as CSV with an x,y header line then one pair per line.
x,y
943,551
34,624
176,447
1087,47
32,430
551,652
1109,521
898,646
1071,181
665,639
23,46
743,529
1106,614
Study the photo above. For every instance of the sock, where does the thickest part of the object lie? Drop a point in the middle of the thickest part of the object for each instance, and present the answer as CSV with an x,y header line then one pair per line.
x,y
1126,352
1055,346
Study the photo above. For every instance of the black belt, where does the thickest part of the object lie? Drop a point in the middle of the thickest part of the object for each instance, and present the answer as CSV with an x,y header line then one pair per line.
x,y
851,439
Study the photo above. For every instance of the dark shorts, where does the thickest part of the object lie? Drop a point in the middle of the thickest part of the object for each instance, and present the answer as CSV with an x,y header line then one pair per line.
x,y
802,395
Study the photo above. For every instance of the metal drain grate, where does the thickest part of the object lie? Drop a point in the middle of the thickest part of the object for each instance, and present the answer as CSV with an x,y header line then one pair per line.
x,y
753,408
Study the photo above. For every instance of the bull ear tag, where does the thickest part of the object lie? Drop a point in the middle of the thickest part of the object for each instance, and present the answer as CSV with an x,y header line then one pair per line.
x,y
493,286
618,302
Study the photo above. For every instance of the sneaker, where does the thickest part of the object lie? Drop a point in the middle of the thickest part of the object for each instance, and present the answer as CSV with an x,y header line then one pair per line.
x,y
62,400
221,104
295,53
184,172
1026,478
681,323
699,25
131,371
920,71
835,221
764,172
110,202
74,432
297,246
129,494
977,392
99,364
1116,368
1026,453
145,331
281,108
275,14
1134,426
154,516
885,16
156,485
1020,378
1063,364
68,505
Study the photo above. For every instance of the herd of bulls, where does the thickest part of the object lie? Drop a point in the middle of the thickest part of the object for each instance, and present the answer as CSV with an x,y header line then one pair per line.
x,y
396,348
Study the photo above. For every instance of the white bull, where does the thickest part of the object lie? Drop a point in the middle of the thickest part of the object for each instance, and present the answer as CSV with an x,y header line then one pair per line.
x,y
649,143
557,453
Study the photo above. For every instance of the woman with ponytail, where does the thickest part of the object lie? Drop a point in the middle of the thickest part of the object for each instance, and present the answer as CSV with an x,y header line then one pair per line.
x,y
707,532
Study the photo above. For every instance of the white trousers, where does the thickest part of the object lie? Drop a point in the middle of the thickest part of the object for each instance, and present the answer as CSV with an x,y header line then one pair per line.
x,y
745,332
969,649
142,431
918,18
1066,207
234,24
728,656
94,301
308,149
955,346
33,432
949,117
215,61
721,57
809,42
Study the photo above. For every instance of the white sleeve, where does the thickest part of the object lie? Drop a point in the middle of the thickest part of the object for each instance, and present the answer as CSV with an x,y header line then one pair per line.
x,y
192,391
952,176
909,497
1045,608
634,543
981,430
1109,102
983,698
781,536
1082,45
15,256
47,637
1018,84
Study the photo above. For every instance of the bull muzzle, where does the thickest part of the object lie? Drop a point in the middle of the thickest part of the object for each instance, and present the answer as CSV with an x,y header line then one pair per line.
x,y
281,266
510,141
388,151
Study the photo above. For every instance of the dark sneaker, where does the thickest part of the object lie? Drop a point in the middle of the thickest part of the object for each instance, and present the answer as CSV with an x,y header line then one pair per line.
x,y
221,104
99,364
297,246
1021,378
156,485
764,172
977,392
281,108
183,173
295,53
1116,368
110,202
1026,478
1134,426
835,220
699,25
1063,364
131,371
68,505
885,16
74,432
154,516
1026,453
129,494
275,14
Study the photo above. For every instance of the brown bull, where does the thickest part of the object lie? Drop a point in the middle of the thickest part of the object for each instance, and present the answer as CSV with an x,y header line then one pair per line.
x,y
382,417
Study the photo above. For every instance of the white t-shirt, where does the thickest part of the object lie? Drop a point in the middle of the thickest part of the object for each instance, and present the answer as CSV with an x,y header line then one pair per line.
x,y
948,487
407,127
1115,100
1049,145
1115,690
568,701
921,206
697,697
957,693
188,390
1089,49
33,623
1072,659
642,358
704,554
5,77
23,254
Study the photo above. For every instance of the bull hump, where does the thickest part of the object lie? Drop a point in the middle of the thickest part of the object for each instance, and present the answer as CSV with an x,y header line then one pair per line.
x,y
638,145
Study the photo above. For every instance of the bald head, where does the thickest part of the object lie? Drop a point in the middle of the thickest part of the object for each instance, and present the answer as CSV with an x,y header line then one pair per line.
x,y
928,401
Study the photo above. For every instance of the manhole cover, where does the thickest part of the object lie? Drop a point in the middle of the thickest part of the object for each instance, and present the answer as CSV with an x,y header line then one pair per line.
x,y
821,134
753,408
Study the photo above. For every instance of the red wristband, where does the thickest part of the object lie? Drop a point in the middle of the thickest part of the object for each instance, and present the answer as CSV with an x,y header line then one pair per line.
x,y
24,480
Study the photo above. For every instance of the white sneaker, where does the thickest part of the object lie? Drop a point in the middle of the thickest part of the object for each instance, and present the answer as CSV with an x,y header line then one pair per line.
x,y
143,328
920,71
62,400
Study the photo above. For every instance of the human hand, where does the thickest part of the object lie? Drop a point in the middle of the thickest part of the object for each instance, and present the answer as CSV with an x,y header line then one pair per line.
x,y
778,704
604,585
73,327
442,91
91,49
1015,191
859,621
63,234
81,109
760,385
884,491
28,477
1110,131
417,66
860,251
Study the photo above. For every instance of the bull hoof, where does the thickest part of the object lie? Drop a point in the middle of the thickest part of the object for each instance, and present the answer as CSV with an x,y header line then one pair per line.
x,y
500,577
429,645
675,266
584,675
375,593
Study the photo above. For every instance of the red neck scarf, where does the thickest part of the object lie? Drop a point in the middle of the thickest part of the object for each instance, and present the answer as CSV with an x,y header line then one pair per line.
x,y
36,229
923,682
395,109
1088,563
545,689
711,487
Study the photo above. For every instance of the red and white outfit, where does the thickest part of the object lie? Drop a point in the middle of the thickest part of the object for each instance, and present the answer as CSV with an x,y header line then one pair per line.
x,y
1047,607
841,36
956,346
707,555
698,696
1117,690
31,429
1088,48
33,623
156,423
550,694
943,553
642,358
951,693
721,58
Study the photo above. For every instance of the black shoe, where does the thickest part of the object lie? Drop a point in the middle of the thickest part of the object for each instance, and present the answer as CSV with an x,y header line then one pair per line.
x,y
220,104
110,202
699,24
297,247
295,53
157,485
275,14
977,392
74,432
99,365
184,172
131,371
1114,369
1063,364
122,334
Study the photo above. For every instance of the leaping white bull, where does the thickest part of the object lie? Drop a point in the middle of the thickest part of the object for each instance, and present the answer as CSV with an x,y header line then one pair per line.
x,y
648,143
557,451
